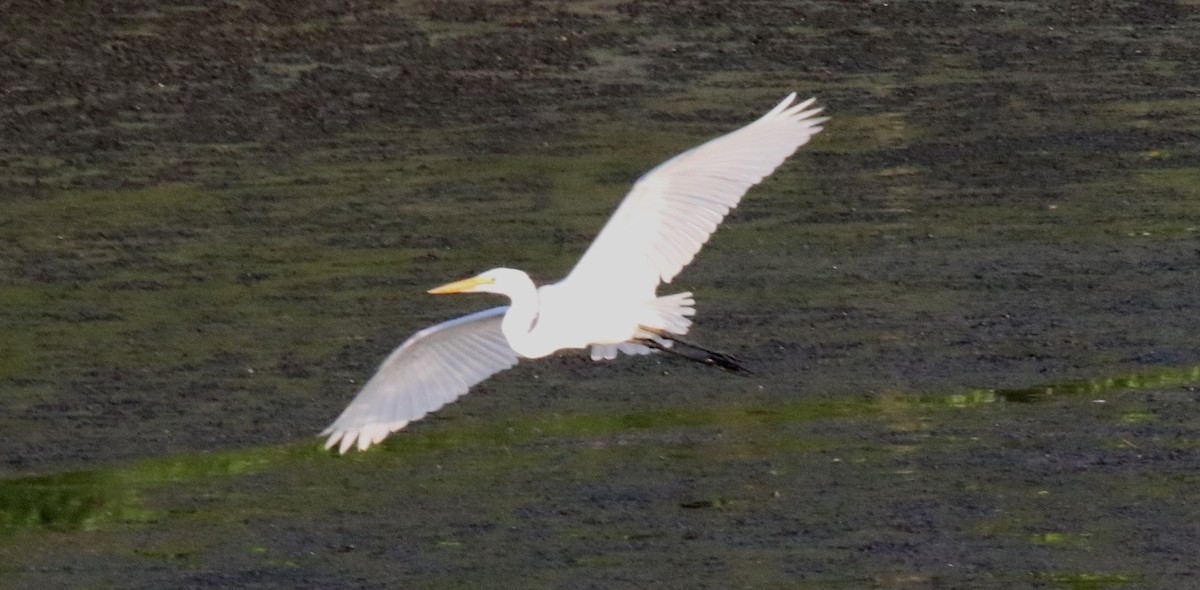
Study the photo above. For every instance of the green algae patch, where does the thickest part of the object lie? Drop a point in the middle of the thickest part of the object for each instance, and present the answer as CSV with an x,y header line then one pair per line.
x,y
597,488
114,496
1087,580
1060,538
1160,378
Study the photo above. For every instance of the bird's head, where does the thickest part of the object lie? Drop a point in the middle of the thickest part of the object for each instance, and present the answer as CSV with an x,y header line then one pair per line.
x,y
498,280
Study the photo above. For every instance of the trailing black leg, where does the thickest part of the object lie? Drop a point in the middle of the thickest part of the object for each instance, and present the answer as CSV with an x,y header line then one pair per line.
x,y
669,343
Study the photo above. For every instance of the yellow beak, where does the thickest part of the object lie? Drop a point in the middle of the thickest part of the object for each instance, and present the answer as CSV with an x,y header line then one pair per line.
x,y
461,286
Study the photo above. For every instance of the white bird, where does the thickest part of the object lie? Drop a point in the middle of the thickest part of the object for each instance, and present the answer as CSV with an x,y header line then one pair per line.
x,y
609,302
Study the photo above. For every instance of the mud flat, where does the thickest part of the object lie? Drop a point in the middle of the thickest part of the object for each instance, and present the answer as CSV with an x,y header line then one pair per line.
x,y
969,304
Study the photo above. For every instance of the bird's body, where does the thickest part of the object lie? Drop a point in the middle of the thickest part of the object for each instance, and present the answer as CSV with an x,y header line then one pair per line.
x,y
609,301
570,317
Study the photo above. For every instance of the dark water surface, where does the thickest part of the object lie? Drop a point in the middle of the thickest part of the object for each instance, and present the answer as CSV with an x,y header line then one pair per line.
x,y
970,304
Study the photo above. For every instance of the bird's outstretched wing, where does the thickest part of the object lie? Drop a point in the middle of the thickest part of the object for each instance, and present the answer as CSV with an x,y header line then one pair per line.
x,y
673,209
431,369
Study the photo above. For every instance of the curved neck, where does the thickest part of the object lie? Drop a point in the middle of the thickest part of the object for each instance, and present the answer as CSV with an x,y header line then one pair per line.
x,y
520,320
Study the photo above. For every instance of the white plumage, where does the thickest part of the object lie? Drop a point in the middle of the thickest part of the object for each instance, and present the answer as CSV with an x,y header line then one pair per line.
x,y
609,302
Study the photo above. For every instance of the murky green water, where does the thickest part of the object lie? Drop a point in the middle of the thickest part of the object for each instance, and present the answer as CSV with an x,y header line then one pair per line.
x,y
969,304
756,493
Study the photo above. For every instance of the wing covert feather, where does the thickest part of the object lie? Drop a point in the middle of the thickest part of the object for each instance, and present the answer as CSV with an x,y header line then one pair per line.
x,y
431,369
673,209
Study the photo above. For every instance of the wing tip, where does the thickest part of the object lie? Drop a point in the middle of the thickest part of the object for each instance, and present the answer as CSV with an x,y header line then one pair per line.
x,y
783,105
799,111
363,437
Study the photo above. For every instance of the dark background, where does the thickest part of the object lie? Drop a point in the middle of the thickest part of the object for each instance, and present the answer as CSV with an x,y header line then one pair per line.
x,y
969,303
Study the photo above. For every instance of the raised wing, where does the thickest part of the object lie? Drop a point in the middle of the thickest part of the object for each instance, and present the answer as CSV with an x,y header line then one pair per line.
x,y
673,209
431,369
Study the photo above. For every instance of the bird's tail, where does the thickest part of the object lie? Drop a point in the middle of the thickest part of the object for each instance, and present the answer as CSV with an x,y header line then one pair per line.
x,y
670,313
666,314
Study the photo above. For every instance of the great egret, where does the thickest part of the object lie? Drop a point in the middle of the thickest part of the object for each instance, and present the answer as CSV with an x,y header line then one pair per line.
x,y
608,302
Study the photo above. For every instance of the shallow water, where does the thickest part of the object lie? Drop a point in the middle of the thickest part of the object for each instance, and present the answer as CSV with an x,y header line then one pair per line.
x,y
968,304
884,490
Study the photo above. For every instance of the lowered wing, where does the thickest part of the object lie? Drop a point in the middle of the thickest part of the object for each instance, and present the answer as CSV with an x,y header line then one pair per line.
x,y
431,369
